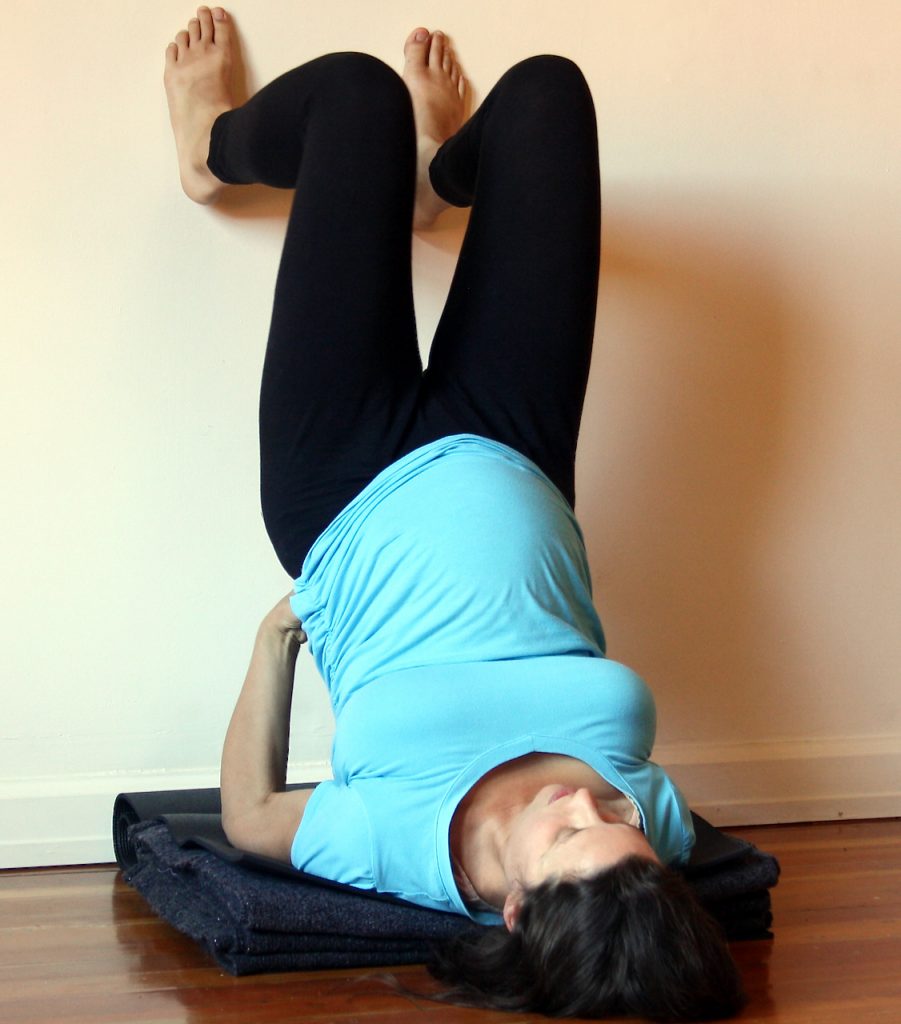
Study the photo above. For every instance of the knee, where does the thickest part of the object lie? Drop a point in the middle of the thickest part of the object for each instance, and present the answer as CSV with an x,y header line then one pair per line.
x,y
362,76
549,67
356,67
547,78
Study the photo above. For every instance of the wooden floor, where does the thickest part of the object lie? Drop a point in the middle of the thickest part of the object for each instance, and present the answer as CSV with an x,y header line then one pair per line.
x,y
76,945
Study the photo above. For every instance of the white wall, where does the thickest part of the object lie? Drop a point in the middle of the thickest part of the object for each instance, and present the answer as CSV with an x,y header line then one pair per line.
x,y
738,472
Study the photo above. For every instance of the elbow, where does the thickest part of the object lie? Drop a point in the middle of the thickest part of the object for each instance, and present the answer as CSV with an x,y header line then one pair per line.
x,y
230,827
266,829
239,829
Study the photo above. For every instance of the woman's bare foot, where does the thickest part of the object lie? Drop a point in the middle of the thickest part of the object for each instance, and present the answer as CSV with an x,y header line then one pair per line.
x,y
438,90
198,88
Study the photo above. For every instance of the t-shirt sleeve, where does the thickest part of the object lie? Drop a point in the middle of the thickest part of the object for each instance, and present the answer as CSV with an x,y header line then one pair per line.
x,y
676,829
688,828
334,839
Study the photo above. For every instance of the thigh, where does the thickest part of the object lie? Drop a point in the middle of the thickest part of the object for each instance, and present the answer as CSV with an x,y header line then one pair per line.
x,y
342,364
512,351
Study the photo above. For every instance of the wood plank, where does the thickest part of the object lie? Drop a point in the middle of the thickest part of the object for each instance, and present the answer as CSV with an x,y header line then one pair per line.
x,y
77,946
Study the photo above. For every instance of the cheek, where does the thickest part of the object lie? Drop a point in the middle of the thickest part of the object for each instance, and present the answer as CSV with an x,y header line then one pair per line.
x,y
538,842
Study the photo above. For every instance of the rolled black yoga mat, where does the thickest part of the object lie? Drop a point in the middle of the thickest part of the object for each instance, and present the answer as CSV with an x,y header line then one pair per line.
x,y
255,914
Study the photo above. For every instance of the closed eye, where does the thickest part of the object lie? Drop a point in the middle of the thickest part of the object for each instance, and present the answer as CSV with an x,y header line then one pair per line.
x,y
566,833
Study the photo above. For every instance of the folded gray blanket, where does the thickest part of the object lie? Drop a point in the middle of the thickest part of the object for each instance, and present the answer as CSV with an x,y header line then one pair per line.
x,y
251,921
255,915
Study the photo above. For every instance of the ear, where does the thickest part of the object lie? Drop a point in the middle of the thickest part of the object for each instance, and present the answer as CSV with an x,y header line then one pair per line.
x,y
512,907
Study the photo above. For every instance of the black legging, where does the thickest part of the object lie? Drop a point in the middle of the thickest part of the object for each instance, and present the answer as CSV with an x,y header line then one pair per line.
x,y
344,393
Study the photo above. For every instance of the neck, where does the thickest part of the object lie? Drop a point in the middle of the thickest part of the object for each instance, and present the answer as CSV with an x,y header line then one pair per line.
x,y
480,855
481,827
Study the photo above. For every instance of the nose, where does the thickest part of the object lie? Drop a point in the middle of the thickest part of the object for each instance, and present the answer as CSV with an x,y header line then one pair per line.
x,y
592,808
586,803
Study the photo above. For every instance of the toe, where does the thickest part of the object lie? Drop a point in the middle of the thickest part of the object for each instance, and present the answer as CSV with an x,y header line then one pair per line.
x,y
205,18
437,51
416,48
221,28
171,54
194,31
181,40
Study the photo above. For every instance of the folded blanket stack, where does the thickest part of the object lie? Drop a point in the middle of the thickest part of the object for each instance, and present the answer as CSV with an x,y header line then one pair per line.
x,y
253,922
732,880
255,915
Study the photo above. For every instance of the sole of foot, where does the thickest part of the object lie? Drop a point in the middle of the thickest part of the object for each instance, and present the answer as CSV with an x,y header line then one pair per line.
x,y
438,90
198,88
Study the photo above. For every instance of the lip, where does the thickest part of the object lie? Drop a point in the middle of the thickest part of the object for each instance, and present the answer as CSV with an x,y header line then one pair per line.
x,y
561,792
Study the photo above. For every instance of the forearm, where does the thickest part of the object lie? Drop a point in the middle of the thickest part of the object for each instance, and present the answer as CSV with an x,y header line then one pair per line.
x,y
255,754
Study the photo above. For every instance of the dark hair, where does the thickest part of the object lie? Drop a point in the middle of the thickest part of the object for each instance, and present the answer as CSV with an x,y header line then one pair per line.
x,y
632,940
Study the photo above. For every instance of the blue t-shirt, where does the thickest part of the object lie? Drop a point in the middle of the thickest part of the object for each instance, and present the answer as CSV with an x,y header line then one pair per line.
x,y
448,608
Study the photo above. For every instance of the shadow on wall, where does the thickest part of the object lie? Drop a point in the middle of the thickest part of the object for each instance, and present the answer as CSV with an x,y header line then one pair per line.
x,y
679,451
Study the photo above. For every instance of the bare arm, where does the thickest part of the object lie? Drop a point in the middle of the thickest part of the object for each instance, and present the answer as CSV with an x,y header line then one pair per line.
x,y
257,814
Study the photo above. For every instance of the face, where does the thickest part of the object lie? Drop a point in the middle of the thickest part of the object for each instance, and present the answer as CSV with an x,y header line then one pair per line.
x,y
566,833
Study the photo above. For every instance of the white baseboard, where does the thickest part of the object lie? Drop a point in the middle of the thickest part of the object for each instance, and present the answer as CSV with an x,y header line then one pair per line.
x,y
51,821
758,783
68,820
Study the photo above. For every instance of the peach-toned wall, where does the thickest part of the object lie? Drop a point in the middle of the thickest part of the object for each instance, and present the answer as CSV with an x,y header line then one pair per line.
x,y
739,465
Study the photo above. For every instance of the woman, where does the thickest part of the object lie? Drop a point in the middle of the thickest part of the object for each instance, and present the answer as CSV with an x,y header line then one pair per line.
x,y
488,759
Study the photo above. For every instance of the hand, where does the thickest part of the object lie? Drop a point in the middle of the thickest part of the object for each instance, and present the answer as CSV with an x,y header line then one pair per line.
x,y
283,619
